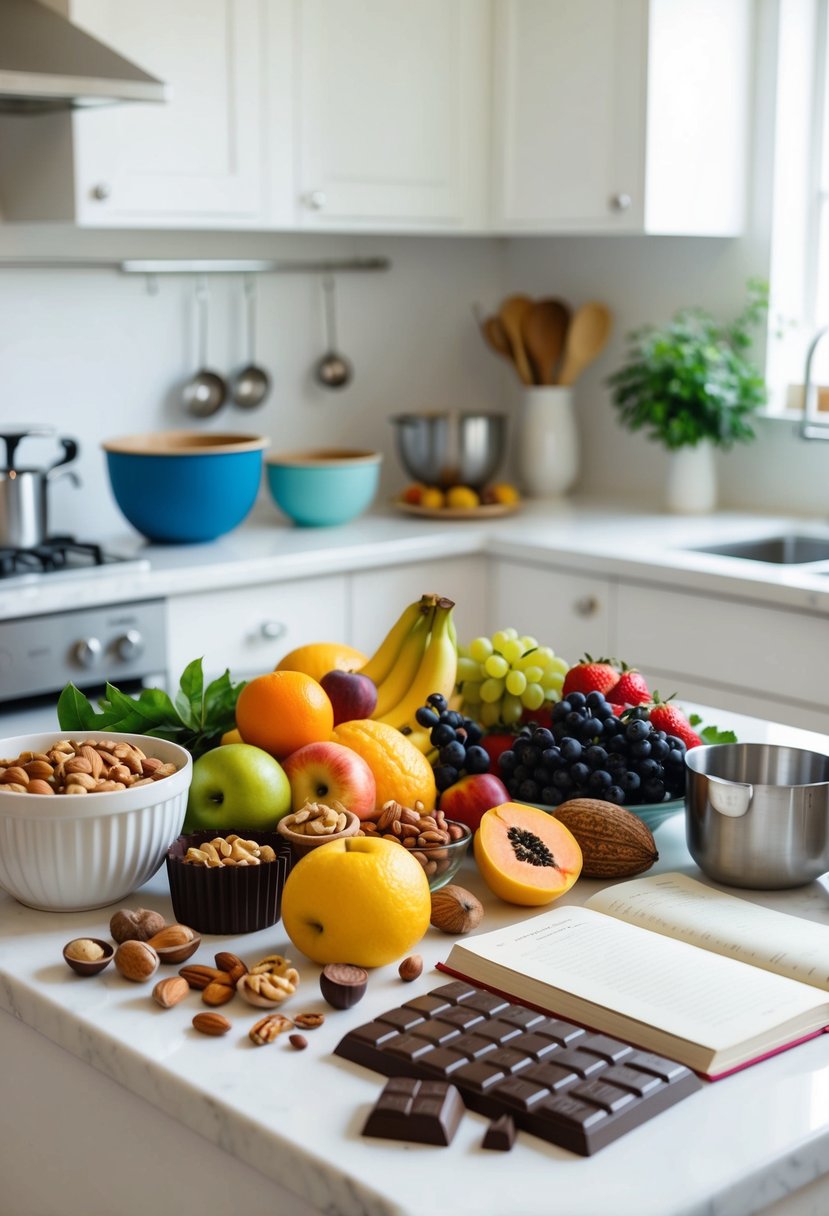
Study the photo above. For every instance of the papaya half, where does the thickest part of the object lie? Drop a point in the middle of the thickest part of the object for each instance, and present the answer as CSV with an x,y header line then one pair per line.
x,y
525,856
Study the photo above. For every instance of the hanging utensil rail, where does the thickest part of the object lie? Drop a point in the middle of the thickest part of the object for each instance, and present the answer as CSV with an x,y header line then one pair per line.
x,y
154,266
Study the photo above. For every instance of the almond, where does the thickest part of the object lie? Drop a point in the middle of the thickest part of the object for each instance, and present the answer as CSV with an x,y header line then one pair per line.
x,y
136,961
213,1024
231,964
410,968
198,976
169,992
171,935
218,993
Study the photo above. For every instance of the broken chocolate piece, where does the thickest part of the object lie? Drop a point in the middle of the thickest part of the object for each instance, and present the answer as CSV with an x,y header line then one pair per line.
x,y
427,1112
500,1135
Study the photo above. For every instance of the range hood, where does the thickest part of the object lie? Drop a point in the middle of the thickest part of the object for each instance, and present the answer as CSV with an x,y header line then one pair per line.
x,y
48,64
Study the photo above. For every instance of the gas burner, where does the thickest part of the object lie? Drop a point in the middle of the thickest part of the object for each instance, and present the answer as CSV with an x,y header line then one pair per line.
x,y
54,553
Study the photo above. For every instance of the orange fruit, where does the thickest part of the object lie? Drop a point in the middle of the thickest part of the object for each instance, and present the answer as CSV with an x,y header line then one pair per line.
x,y
432,497
359,900
317,658
282,711
463,497
400,770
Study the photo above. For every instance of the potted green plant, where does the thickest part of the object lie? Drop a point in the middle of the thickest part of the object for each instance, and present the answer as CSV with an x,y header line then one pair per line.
x,y
693,387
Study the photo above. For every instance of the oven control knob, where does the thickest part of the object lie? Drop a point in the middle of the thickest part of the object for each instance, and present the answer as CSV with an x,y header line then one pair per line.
x,y
87,652
130,645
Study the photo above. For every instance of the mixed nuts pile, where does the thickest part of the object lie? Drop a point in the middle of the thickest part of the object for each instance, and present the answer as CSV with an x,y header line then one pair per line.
x,y
90,767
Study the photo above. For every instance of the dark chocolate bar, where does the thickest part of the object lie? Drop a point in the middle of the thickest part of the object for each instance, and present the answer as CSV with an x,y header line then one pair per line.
x,y
427,1112
560,1082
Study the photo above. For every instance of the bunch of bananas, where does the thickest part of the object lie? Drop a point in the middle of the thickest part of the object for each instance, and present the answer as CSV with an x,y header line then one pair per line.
x,y
417,657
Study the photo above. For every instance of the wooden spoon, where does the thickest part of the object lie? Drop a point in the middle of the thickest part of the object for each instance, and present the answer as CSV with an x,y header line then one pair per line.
x,y
544,328
511,314
495,337
586,338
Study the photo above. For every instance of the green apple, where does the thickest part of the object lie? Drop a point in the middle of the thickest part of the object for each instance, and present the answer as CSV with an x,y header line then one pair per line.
x,y
237,786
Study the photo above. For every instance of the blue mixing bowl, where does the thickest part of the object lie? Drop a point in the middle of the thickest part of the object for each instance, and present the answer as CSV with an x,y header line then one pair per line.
x,y
181,487
325,486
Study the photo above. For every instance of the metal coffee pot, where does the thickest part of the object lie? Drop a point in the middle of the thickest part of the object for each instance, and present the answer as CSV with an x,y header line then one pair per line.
x,y
24,491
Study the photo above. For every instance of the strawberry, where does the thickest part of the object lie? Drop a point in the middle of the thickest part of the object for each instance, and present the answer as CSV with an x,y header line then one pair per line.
x,y
673,721
631,688
590,675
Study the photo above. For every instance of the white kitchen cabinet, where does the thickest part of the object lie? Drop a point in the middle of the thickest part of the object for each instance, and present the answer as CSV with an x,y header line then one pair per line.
x,y
194,161
766,661
377,597
249,629
569,611
392,105
620,115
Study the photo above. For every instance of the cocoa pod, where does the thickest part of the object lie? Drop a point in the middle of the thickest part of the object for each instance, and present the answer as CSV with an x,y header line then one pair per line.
x,y
614,842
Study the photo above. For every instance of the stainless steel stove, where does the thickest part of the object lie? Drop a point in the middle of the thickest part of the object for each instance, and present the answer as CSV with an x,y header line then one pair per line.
x,y
124,643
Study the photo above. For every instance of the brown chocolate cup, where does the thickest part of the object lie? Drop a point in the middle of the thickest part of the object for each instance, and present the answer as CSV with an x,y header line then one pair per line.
x,y
227,900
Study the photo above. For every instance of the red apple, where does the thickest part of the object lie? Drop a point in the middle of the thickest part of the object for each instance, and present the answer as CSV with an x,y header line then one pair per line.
x,y
351,695
469,798
330,772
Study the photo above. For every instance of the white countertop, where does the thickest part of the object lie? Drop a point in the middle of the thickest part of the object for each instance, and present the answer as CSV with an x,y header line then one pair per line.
x,y
735,1147
611,539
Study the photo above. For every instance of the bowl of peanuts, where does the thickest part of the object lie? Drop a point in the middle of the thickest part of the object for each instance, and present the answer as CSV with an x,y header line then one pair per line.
x,y
86,818
438,843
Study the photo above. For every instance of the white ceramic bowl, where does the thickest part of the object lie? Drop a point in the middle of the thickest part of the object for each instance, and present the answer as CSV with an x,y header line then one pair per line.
x,y
69,853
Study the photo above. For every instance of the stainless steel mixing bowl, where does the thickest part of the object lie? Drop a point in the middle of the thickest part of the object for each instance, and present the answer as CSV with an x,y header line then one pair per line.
x,y
758,814
451,449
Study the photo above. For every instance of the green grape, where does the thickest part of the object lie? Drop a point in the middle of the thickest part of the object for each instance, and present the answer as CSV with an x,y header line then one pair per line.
x,y
471,693
512,650
468,669
515,682
497,666
550,681
511,710
500,639
480,649
533,696
492,691
556,663
544,654
533,674
528,659
528,643
490,715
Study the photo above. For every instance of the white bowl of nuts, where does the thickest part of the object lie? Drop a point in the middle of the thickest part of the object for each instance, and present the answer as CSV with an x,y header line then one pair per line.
x,y
86,819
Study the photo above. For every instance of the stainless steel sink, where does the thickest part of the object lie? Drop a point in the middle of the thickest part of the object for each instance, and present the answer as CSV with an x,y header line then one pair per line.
x,y
786,550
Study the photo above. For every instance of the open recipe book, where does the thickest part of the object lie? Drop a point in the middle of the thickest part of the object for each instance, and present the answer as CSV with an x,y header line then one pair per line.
x,y
668,964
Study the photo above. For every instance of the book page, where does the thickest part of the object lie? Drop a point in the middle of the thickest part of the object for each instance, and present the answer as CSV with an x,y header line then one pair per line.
x,y
681,907
654,980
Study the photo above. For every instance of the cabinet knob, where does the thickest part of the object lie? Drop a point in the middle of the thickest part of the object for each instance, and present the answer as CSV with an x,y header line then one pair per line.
x,y
315,200
129,645
587,605
101,191
620,202
87,651
272,630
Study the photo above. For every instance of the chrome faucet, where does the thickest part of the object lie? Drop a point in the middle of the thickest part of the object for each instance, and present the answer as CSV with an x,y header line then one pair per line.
x,y
812,427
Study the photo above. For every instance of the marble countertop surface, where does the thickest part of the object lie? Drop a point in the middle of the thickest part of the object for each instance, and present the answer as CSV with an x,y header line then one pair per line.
x,y
605,538
735,1147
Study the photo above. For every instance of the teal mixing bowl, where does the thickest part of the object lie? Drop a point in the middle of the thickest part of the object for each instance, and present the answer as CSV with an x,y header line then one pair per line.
x,y
181,487
325,486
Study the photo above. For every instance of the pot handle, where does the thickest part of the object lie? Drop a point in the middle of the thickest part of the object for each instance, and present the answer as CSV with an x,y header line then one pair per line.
x,y
70,452
732,798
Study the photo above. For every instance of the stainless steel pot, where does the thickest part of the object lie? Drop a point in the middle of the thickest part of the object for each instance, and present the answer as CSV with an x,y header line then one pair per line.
x,y
758,814
24,505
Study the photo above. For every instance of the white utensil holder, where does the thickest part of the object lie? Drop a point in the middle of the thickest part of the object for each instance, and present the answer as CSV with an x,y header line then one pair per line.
x,y
548,442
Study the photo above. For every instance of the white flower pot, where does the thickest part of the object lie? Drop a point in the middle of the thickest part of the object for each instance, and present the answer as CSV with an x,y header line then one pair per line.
x,y
691,487
548,442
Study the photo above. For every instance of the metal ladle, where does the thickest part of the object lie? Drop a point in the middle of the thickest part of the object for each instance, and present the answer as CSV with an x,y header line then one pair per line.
x,y
333,370
252,384
207,391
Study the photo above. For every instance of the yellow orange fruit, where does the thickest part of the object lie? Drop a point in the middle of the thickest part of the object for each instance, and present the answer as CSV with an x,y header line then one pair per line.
x,y
432,497
462,496
281,711
502,492
400,770
360,900
317,658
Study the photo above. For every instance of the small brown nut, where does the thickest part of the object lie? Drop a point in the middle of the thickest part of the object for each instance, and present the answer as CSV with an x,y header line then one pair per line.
x,y
136,961
171,935
84,950
410,968
198,976
218,993
309,1021
135,924
169,992
37,786
269,1028
214,1024
298,1041
39,770
14,776
231,964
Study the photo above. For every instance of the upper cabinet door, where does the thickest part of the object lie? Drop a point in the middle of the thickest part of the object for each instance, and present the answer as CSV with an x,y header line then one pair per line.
x,y
392,103
621,115
197,159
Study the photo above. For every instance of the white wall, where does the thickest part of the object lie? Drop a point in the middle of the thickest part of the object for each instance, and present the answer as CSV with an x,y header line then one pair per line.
x,y
92,353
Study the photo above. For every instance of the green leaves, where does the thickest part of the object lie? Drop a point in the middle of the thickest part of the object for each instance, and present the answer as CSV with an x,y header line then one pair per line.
x,y
197,717
692,380
712,734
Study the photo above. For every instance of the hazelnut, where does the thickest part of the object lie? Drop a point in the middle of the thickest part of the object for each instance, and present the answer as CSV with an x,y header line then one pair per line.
x,y
135,924
136,961
410,968
84,950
